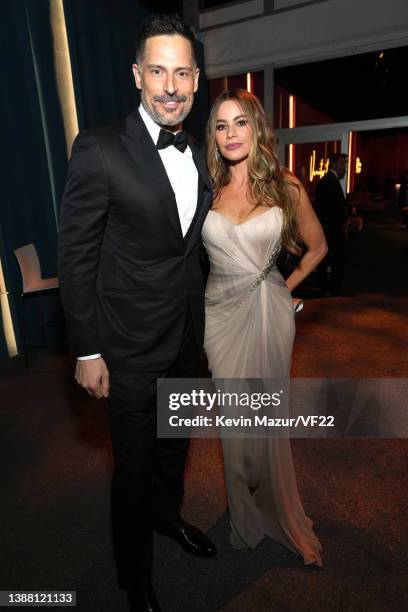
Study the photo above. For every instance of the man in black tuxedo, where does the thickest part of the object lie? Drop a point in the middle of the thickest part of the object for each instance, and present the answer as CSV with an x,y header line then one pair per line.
x,y
330,205
136,197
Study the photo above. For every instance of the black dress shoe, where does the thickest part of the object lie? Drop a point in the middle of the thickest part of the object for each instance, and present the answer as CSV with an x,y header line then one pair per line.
x,y
143,600
191,539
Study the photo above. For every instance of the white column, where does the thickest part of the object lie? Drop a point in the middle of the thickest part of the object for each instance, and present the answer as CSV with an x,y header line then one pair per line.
x,y
344,149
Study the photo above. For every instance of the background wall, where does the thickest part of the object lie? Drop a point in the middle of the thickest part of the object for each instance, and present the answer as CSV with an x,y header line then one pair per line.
x,y
318,30
384,156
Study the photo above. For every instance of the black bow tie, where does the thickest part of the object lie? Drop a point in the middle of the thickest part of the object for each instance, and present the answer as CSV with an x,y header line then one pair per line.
x,y
167,139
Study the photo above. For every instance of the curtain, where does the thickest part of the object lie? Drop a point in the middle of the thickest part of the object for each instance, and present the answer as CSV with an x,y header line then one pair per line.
x,y
33,152
33,156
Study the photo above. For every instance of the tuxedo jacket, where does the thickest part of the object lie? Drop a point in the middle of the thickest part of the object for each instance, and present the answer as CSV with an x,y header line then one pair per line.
x,y
127,276
330,205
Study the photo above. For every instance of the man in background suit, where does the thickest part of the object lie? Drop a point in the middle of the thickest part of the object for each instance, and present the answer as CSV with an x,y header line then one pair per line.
x,y
330,205
136,197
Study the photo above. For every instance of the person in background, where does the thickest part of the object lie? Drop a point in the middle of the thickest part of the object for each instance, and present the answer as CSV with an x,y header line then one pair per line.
x,y
402,200
331,209
389,187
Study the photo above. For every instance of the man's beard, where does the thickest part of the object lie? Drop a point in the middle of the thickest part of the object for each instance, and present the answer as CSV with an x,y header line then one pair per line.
x,y
168,119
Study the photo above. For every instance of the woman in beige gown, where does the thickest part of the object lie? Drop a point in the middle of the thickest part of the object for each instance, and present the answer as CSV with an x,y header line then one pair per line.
x,y
250,324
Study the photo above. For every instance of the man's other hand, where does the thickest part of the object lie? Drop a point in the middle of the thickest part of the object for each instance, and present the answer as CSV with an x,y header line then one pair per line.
x,y
93,376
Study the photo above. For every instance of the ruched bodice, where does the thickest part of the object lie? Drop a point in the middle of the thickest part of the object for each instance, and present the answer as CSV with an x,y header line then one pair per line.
x,y
246,292
249,333
244,248
240,254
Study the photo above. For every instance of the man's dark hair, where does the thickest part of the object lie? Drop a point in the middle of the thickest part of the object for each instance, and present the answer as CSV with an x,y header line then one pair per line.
x,y
162,25
333,159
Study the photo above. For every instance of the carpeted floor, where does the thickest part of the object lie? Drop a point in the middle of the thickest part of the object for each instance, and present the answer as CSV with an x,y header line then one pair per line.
x,y
56,462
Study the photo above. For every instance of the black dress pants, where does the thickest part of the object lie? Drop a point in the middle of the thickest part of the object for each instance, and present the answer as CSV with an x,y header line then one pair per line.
x,y
147,483
335,259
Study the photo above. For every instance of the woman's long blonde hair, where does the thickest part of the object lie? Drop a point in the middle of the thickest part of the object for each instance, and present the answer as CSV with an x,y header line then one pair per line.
x,y
267,185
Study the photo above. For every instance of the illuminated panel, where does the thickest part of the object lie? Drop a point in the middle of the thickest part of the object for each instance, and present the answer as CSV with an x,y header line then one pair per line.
x,y
292,111
292,124
249,81
322,168
291,157
349,161
6,317
65,83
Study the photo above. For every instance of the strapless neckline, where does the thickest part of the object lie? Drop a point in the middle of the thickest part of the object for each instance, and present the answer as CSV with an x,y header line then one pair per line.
x,y
244,222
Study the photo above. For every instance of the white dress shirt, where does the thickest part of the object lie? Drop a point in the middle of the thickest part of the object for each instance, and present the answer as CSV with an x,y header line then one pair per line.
x,y
182,173
183,177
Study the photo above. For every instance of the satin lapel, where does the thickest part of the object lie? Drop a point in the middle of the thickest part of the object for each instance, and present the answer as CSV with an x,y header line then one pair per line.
x,y
203,206
200,162
143,152
200,191
204,198
199,220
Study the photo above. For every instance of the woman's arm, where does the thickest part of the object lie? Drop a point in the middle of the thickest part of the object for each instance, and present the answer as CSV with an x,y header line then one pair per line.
x,y
311,233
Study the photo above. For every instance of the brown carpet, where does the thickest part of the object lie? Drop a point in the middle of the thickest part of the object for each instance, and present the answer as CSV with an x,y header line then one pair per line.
x,y
55,467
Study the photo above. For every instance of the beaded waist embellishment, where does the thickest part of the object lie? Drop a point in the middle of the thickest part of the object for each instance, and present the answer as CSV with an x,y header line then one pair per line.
x,y
265,271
